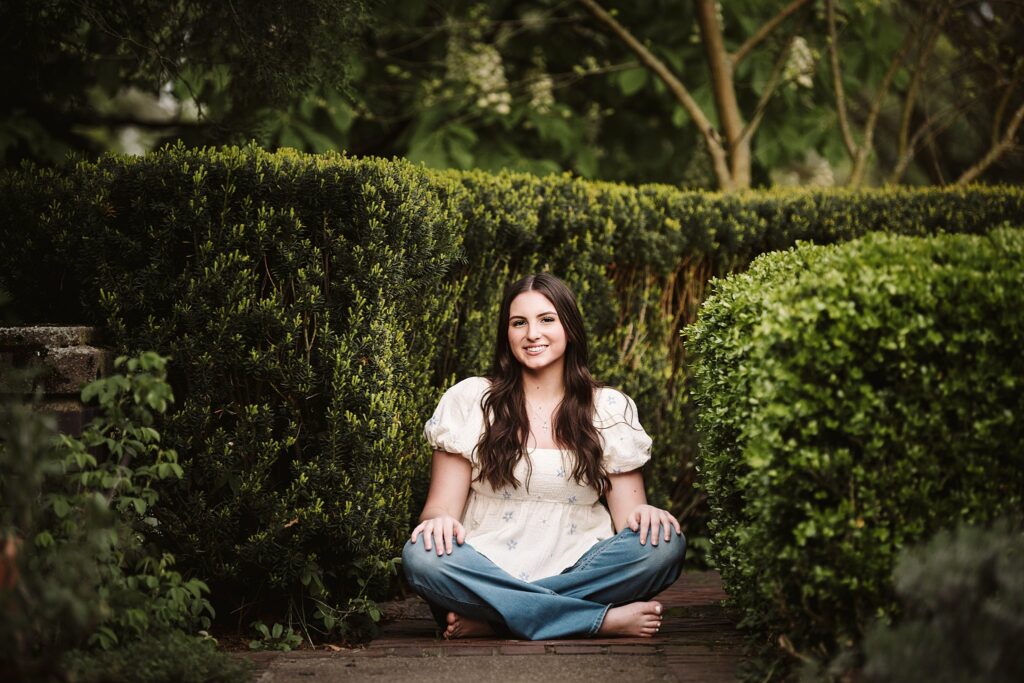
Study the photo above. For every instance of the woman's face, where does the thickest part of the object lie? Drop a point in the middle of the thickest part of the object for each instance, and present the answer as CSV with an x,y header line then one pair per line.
x,y
535,332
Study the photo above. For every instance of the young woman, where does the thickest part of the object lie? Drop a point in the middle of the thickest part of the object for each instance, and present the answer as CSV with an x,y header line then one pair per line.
x,y
514,536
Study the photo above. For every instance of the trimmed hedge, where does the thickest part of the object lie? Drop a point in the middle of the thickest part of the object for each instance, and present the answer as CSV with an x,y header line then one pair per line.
x,y
316,306
299,298
854,399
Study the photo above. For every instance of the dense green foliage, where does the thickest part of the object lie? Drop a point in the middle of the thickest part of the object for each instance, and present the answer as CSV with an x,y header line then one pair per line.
x,y
169,658
77,571
315,307
530,85
853,399
963,611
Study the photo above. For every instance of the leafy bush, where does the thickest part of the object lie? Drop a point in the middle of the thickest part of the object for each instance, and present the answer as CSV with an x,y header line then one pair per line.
x,y
76,569
316,306
963,611
170,658
854,399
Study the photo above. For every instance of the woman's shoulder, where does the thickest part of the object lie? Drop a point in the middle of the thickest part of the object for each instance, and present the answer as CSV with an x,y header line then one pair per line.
x,y
470,389
612,406
608,397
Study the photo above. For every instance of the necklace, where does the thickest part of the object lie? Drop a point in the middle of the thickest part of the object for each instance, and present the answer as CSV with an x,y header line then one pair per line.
x,y
545,424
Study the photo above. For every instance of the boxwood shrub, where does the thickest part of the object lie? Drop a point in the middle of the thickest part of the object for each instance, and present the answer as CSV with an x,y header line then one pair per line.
x,y
853,399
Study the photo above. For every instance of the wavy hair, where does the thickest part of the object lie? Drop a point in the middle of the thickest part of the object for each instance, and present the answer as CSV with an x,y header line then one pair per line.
x,y
506,424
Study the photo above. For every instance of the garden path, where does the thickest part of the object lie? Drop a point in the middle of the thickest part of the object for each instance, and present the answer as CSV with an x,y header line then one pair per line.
x,y
698,642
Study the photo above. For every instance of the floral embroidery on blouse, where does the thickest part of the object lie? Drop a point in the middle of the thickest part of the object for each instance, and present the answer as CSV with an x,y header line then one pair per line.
x,y
512,544
507,516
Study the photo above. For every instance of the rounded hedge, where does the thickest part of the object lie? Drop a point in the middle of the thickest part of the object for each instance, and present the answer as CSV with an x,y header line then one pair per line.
x,y
852,399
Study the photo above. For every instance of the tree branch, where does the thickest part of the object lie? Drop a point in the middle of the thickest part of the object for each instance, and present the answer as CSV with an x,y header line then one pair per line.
x,y
997,118
915,81
865,149
773,84
675,86
837,78
996,151
724,90
765,30
933,125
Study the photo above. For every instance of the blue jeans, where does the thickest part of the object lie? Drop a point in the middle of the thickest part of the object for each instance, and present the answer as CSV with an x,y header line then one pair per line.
x,y
616,571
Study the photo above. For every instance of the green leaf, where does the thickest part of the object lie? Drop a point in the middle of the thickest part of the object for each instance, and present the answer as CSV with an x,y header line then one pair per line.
x,y
631,81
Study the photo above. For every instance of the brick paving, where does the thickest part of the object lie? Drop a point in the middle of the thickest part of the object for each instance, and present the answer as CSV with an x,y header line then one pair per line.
x,y
698,640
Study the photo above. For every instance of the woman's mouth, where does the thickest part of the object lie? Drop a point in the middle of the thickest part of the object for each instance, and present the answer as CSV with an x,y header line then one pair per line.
x,y
535,350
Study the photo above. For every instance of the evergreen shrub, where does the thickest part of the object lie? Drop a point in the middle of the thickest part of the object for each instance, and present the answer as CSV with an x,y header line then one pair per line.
x,y
317,306
854,399
171,658
962,596
300,297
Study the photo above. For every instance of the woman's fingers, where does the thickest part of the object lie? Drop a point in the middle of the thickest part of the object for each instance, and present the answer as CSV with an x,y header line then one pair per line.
x,y
645,525
439,539
448,524
460,533
416,532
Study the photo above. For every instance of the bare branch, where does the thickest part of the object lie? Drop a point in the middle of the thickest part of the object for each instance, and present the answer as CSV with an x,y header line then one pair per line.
x,y
860,163
773,83
996,151
932,126
837,78
765,30
675,86
997,118
915,82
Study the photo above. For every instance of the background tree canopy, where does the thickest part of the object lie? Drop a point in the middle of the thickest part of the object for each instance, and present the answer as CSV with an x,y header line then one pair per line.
x,y
687,92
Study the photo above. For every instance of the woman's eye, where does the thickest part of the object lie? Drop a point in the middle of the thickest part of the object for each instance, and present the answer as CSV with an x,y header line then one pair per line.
x,y
549,320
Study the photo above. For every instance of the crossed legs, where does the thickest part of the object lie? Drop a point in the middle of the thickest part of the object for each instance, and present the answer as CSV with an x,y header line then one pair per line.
x,y
603,592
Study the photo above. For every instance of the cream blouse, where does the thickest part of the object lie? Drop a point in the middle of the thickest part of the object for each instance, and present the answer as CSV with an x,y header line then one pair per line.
x,y
537,531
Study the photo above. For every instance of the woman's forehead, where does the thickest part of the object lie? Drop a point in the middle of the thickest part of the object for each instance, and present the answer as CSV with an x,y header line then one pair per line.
x,y
530,303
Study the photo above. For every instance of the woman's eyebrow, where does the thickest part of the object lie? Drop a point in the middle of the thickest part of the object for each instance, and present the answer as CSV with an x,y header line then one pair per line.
x,y
539,315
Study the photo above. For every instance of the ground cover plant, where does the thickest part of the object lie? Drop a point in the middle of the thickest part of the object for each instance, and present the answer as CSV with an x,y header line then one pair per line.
x,y
962,595
855,399
316,306
81,588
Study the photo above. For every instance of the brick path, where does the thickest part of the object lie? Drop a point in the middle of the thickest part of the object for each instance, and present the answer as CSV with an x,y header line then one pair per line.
x,y
697,640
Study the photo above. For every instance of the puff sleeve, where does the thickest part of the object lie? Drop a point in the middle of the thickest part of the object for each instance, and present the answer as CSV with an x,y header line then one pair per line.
x,y
626,445
458,421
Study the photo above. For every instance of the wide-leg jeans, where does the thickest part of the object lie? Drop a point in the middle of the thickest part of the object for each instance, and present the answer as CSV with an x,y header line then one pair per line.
x,y
616,571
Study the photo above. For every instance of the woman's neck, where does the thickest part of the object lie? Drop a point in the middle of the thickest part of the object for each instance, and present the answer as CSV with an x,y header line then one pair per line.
x,y
545,386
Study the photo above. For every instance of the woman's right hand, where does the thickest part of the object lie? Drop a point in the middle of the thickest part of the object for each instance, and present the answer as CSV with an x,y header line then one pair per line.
x,y
439,532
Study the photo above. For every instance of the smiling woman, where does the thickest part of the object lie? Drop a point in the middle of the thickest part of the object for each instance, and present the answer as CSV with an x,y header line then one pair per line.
x,y
514,536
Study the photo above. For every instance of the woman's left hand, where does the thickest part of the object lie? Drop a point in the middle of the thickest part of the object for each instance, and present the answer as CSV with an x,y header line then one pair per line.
x,y
659,522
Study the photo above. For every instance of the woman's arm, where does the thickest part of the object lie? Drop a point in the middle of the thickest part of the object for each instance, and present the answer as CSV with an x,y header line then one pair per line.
x,y
628,506
450,476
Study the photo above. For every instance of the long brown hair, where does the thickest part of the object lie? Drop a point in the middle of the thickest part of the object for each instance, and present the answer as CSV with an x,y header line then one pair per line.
x,y
506,424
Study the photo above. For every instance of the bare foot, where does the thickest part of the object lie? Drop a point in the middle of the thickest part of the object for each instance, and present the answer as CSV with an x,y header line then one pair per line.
x,y
637,619
463,627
